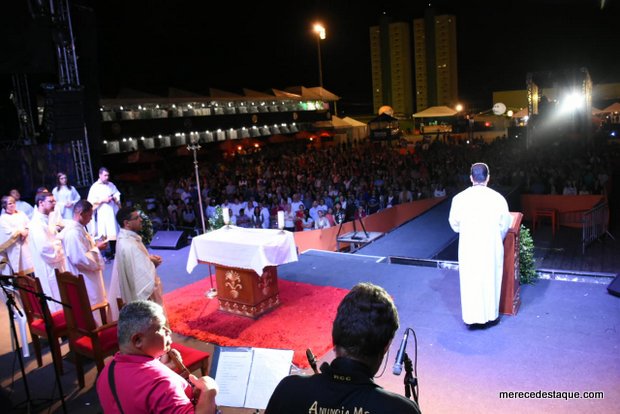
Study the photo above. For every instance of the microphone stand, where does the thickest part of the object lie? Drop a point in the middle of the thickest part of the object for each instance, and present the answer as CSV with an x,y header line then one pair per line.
x,y
11,305
43,298
194,146
211,293
411,382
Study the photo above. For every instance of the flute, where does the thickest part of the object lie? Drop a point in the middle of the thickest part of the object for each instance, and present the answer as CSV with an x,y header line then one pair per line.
x,y
184,372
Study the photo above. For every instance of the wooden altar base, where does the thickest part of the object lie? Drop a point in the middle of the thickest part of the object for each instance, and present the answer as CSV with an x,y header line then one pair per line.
x,y
243,292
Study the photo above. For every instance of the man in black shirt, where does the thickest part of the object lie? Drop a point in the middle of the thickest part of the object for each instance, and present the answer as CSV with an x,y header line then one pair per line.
x,y
364,327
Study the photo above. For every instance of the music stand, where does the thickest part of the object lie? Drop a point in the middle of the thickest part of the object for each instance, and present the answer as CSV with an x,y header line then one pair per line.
x,y
355,236
10,303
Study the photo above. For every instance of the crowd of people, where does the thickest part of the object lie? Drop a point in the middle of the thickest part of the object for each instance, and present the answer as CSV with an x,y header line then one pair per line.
x,y
322,187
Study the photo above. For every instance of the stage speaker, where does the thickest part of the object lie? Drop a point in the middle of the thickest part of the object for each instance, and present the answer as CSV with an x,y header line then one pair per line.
x,y
614,286
169,239
63,116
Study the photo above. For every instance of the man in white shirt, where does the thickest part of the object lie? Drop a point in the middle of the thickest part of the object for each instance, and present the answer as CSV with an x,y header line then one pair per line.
x,y
314,211
106,200
322,222
46,248
296,203
134,276
264,212
83,255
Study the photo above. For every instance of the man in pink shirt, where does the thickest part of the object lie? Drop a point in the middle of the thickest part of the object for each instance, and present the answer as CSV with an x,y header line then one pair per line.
x,y
136,381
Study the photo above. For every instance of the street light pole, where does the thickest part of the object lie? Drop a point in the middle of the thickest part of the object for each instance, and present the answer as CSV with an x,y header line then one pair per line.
x,y
320,35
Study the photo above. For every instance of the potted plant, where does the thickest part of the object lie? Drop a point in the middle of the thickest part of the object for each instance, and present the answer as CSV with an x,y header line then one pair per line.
x,y
527,268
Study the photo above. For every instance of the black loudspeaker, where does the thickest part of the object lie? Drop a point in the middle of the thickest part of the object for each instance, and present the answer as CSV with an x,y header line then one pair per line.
x,y
63,118
614,287
172,240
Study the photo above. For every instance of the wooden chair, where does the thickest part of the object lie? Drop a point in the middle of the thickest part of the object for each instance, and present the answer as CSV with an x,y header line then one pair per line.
x,y
192,358
37,315
550,213
85,337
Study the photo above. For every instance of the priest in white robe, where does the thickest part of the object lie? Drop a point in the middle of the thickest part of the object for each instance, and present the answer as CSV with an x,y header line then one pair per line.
x,y
14,238
22,206
83,255
106,200
134,274
46,248
480,215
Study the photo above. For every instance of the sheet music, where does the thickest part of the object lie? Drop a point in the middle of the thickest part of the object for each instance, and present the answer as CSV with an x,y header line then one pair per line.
x,y
268,368
248,376
233,371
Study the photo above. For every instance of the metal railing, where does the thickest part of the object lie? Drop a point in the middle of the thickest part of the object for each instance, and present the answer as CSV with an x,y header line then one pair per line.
x,y
595,224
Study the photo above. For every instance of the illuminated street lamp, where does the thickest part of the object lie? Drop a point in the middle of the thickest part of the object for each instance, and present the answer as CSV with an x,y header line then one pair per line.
x,y
320,35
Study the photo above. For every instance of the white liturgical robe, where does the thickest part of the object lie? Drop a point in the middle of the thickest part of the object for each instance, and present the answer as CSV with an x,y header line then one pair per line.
x,y
133,274
47,255
83,257
63,196
16,248
106,225
480,215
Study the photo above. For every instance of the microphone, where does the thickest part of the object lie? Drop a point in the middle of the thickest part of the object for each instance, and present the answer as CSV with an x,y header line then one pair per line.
x,y
400,356
312,360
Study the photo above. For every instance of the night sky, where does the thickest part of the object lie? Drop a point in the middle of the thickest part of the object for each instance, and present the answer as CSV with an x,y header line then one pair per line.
x,y
193,45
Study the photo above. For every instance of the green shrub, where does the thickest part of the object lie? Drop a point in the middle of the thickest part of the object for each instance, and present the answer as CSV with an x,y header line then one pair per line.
x,y
527,269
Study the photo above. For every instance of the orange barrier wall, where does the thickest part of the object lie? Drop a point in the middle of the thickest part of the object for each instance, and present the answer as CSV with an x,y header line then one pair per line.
x,y
562,203
383,221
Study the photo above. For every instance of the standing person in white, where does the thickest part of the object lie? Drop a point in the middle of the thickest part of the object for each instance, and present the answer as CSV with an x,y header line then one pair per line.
x,y
480,215
22,206
134,276
65,195
45,248
14,237
83,255
106,200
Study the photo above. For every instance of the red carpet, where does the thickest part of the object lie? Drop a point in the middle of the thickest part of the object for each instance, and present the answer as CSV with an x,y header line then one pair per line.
x,y
303,319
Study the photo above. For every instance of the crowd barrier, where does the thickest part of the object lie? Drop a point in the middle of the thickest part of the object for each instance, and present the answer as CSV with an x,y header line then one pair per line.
x,y
595,224
568,207
382,221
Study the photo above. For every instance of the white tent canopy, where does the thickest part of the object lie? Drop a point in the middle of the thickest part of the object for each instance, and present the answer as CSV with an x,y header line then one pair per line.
x,y
317,93
436,112
614,107
354,122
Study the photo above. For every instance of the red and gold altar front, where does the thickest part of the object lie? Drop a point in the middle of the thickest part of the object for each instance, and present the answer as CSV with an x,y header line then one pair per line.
x,y
246,263
243,292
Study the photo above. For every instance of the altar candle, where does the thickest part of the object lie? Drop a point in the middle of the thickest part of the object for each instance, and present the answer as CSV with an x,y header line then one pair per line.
x,y
226,215
280,219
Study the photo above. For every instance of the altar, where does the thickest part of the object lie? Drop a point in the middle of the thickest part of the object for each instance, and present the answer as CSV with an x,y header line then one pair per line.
x,y
246,263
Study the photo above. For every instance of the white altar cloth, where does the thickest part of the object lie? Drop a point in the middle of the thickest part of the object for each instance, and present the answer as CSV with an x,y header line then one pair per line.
x,y
243,248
